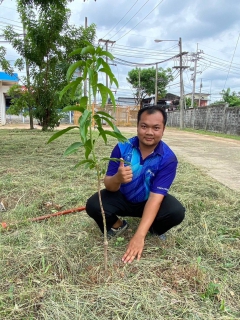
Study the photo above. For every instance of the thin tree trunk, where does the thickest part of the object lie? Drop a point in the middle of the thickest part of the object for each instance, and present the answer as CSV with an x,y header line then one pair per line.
x,y
31,118
104,227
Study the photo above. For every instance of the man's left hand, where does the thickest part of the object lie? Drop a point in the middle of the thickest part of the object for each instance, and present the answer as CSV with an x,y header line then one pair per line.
x,y
134,249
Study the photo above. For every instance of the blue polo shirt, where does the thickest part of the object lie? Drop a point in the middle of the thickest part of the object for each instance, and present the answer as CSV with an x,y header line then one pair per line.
x,y
153,174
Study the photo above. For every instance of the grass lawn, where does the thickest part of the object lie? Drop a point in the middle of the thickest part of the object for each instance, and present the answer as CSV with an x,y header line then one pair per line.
x,y
54,269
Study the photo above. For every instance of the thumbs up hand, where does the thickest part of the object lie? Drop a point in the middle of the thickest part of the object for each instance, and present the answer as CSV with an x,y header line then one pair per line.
x,y
124,173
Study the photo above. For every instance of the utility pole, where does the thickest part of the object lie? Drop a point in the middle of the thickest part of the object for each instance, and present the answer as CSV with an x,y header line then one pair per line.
x,y
156,85
200,91
106,44
196,57
194,77
181,67
181,86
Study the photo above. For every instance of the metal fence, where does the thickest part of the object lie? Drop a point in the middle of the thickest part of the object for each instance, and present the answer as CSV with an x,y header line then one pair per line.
x,y
13,119
123,115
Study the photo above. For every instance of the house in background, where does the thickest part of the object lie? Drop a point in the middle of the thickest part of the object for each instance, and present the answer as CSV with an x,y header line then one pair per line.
x,y
6,82
200,99
170,101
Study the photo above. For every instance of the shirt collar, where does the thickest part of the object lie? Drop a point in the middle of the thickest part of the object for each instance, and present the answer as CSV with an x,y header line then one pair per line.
x,y
158,150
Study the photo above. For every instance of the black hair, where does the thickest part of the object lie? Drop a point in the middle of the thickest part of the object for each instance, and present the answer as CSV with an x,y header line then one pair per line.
x,y
151,110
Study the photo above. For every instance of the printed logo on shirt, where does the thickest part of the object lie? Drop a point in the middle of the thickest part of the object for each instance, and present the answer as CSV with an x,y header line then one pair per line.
x,y
149,172
160,188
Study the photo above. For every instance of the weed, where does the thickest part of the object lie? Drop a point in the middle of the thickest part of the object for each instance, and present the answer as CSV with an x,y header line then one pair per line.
x,y
211,292
119,241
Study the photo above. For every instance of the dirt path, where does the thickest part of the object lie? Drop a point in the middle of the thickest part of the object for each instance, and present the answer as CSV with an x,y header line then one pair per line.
x,y
218,156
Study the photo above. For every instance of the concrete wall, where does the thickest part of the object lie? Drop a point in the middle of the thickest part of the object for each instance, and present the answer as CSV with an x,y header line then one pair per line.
x,y
219,118
2,104
3,89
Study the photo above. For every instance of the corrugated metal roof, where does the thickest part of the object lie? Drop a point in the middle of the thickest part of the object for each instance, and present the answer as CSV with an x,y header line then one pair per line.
x,y
7,77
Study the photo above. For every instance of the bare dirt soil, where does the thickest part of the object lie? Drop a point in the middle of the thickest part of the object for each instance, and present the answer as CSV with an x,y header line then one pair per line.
x,y
219,157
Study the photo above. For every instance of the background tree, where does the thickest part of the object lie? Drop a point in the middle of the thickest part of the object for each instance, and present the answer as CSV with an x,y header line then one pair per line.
x,y
188,102
233,99
46,46
146,86
44,3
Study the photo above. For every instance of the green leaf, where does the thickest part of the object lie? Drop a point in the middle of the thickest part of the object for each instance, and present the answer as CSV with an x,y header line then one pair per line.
x,y
77,51
94,83
88,147
85,73
90,161
72,85
97,119
106,70
83,102
113,79
108,159
91,165
108,121
89,49
84,121
106,54
75,85
60,133
116,129
112,97
73,68
105,114
102,134
116,135
103,92
65,89
73,148
74,108
90,75
99,62
98,50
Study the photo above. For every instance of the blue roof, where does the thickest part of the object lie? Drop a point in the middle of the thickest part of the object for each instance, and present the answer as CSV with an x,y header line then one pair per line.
x,y
6,77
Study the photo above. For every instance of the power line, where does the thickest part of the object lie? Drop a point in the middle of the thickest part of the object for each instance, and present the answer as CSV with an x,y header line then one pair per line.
x,y
10,20
130,19
118,60
4,24
231,61
218,59
141,20
121,19
142,51
8,8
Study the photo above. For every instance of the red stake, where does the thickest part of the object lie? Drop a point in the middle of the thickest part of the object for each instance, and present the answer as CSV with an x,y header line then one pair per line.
x,y
47,216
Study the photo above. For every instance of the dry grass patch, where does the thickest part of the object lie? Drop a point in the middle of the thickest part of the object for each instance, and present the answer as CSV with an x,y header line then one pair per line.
x,y
54,269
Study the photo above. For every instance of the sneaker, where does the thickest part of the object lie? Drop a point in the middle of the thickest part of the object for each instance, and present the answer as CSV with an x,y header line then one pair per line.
x,y
162,237
117,232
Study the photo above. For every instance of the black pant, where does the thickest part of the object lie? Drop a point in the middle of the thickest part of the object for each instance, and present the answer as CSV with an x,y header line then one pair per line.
x,y
170,214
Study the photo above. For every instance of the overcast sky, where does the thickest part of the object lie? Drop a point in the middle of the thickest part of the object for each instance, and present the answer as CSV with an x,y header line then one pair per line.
x,y
212,26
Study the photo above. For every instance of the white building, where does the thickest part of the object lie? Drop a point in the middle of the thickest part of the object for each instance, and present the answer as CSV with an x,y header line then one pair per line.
x,y
6,82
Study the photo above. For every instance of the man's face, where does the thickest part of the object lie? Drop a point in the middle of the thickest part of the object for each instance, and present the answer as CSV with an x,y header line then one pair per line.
x,y
150,129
